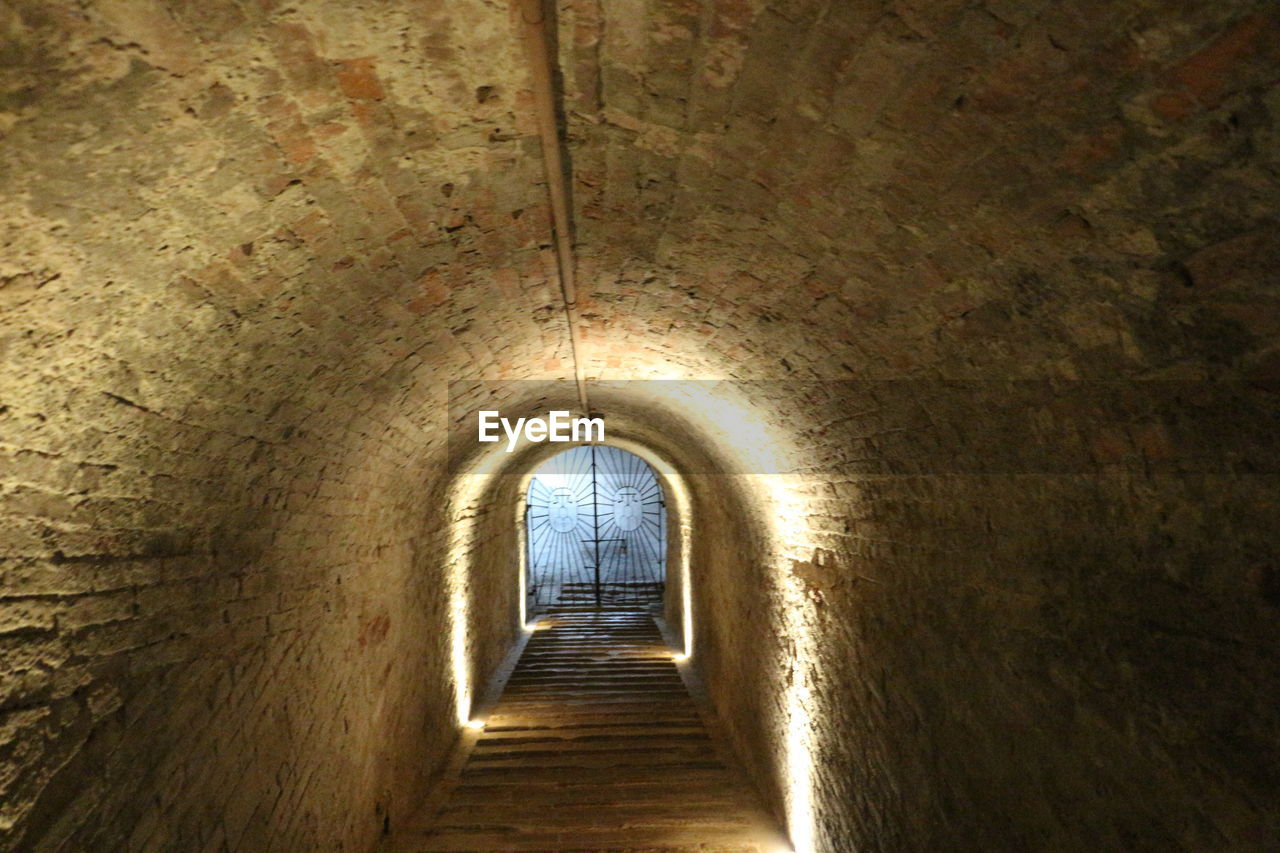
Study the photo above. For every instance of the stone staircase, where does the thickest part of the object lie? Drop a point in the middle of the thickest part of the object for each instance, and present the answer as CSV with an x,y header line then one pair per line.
x,y
594,745
610,595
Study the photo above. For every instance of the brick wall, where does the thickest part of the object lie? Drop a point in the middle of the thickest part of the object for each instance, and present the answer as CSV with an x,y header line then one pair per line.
x,y
234,283
247,247
1067,646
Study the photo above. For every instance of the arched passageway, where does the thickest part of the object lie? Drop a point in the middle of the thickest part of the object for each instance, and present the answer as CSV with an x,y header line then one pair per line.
x,y
595,732
949,328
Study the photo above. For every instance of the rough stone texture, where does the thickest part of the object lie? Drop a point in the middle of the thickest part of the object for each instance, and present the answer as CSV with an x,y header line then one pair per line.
x,y
235,272
248,245
1070,650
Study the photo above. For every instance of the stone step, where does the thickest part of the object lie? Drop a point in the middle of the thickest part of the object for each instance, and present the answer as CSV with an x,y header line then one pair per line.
x,y
595,745
560,684
653,812
602,772
710,794
483,838
585,740
498,722
708,788
672,760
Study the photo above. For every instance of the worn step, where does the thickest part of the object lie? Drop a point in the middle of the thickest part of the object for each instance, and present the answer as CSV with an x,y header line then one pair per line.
x,y
486,838
587,740
595,745
710,794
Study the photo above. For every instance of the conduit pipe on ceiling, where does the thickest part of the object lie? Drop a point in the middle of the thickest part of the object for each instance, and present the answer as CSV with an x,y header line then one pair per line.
x,y
538,47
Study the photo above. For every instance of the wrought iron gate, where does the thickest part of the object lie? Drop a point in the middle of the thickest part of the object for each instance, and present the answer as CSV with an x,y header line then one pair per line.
x,y
597,531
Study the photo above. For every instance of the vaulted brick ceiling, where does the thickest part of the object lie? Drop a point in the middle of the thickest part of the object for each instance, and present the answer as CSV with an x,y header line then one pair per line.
x,y
247,245
814,189
868,189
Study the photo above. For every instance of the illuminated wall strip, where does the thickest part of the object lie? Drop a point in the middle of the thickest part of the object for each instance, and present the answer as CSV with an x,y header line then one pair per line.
x,y
522,554
798,744
799,701
461,544
686,585
459,615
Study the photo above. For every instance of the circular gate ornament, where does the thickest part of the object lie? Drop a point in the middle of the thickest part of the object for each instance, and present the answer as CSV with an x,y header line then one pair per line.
x,y
563,510
628,511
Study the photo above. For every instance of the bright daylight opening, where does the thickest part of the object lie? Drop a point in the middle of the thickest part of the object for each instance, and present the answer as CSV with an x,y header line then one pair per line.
x,y
596,522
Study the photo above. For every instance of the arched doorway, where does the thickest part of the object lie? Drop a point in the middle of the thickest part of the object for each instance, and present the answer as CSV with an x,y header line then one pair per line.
x,y
596,524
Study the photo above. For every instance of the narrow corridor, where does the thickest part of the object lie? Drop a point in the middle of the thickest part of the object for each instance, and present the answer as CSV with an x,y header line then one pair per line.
x,y
931,356
595,744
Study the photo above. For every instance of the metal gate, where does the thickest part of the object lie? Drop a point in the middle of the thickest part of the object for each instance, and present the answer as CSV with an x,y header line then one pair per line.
x,y
597,532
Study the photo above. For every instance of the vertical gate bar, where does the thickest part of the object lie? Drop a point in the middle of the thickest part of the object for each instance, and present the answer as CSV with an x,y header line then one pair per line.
x,y
528,553
595,521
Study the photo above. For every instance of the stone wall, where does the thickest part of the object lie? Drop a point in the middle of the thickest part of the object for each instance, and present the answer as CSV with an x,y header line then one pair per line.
x,y
247,246
1054,634
917,192
235,280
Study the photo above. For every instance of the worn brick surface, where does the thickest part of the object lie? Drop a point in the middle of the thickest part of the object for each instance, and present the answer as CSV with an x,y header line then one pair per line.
x,y
234,271
247,245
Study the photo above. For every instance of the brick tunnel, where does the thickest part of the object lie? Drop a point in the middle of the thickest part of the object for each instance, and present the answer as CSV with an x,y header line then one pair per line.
x,y
951,329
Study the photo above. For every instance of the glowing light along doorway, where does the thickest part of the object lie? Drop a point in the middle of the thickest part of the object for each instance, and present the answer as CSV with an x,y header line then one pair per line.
x,y
597,532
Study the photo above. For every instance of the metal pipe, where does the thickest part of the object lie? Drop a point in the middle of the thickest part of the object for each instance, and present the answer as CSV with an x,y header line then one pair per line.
x,y
538,48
